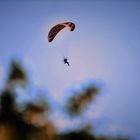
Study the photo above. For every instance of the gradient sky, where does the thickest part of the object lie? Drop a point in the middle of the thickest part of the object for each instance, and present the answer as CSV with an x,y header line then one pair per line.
x,y
105,46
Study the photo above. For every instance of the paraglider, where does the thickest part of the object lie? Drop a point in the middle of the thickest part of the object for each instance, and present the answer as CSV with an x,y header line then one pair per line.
x,y
56,29
66,61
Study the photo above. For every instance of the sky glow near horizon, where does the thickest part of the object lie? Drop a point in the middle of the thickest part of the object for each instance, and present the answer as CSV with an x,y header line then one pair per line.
x,y
104,46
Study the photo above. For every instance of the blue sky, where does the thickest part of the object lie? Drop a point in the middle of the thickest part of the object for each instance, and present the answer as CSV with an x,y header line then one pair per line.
x,y
105,46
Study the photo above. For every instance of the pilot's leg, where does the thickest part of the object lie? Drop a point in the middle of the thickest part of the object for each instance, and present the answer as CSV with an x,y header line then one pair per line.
x,y
68,63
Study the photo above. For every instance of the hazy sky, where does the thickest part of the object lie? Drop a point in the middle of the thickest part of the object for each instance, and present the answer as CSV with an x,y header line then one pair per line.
x,y
105,46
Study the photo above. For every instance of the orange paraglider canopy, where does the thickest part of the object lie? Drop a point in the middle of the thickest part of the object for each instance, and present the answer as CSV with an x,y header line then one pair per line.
x,y
57,28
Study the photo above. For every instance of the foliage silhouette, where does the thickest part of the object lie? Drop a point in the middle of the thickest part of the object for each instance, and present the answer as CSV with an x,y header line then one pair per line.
x,y
78,103
25,124
17,74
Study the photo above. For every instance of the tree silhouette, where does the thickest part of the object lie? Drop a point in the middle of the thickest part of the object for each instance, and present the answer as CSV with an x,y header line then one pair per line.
x,y
16,75
78,103
28,125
